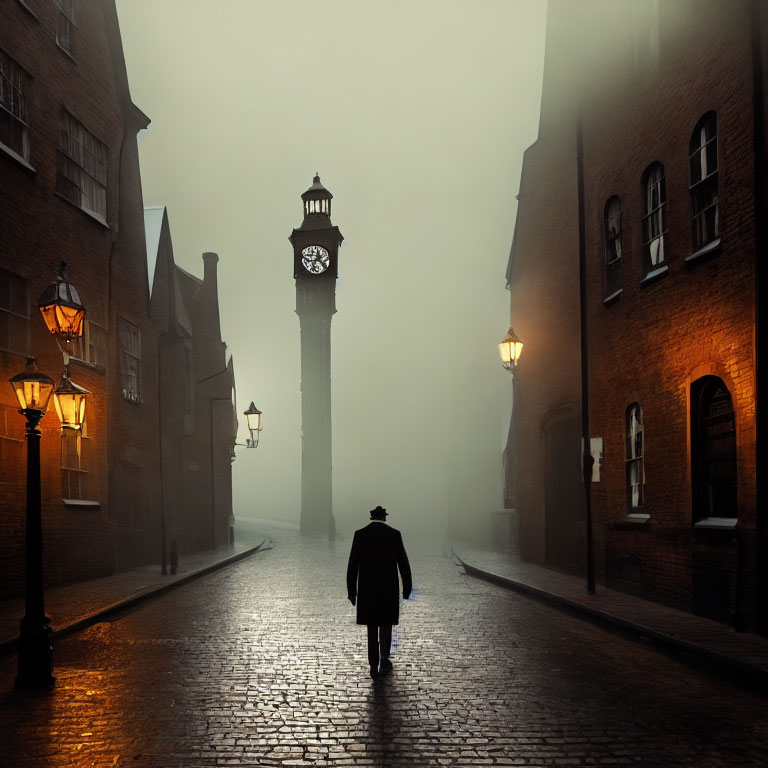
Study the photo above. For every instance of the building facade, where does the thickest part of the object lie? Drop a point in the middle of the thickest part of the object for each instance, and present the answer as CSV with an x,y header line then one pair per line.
x,y
70,191
662,121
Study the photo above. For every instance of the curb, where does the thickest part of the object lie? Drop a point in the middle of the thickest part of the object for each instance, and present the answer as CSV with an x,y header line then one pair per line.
x,y
78,625
754,675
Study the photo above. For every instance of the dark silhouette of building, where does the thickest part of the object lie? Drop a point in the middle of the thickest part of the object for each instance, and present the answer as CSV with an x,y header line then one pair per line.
x,y
315,267
70,190
668,97
197,398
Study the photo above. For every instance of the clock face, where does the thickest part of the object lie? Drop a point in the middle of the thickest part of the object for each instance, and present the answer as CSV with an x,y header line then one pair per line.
x,y
315,259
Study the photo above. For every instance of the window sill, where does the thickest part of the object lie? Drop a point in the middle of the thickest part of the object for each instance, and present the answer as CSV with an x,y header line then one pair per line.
x,y
613,297
710,249
23,4
654,275
90,214
85,364
8,152
633,520
82,503
65,52
132,397
717,523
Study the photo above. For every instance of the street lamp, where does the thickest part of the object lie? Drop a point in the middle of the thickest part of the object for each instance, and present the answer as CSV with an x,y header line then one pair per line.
x,y
35,670
510,348
69,399
253,418
60,306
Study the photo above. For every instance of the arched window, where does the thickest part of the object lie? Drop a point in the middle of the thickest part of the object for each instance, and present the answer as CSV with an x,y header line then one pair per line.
x,y
713,449
654,219
703,180
612,224
635,457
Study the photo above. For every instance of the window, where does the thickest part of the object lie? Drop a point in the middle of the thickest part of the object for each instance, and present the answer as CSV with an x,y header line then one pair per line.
x,y
14,86
644,15
612,247
130,360
75,478
703,179
91,347
713,449
65,25
12,463
14,313
81,167
635,458
654,220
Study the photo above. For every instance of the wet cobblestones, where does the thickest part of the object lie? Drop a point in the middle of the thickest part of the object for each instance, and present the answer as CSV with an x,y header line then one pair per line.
x,y
262,665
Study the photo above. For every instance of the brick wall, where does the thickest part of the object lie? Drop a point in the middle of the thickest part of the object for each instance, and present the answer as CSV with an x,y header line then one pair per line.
x,y
649,344
106,263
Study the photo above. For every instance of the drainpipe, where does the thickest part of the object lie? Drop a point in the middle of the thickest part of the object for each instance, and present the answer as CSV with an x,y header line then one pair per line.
x,y
587,460
761,273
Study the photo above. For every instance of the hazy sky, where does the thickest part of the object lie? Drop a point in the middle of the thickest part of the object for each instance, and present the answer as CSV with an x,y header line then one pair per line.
x,y
415,113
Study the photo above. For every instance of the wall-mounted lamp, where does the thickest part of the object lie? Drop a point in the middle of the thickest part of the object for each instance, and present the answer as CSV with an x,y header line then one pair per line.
x,y
253,418
60,306
69,399
509,349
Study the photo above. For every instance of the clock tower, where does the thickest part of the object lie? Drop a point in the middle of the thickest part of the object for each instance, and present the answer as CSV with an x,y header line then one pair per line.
x,y
315,268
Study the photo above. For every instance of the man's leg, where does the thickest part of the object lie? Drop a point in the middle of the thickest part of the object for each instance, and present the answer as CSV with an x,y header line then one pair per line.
x,y
373,648
385,643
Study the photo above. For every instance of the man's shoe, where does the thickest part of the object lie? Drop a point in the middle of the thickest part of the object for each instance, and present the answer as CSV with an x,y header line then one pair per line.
x,y
375,673
386,666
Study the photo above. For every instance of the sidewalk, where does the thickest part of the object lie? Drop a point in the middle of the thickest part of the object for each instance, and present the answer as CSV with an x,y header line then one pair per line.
x,y
742,653
73,607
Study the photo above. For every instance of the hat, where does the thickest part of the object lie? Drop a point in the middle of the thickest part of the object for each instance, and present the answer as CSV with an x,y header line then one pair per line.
x,y
379,513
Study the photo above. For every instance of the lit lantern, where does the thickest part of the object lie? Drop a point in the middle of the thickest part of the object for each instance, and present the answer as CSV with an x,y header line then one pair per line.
x,y
69,399
510,349
253,418
61,309
32,388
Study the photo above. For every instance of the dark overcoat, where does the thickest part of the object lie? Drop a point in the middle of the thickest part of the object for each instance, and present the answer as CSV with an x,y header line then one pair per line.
x,y
377,552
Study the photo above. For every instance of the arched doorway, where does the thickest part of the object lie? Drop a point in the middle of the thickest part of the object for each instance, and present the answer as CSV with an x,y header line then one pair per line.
x,y
713,450
713,500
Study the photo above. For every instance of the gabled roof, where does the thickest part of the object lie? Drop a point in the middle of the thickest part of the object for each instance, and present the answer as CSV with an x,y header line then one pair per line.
x,y
153,226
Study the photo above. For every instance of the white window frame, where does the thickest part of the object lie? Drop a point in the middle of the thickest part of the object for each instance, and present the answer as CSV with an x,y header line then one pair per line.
x,y
635,458
130,360
14,86
65,25
76,476
703,181
654,220
10,313
91,347
82,167
613,253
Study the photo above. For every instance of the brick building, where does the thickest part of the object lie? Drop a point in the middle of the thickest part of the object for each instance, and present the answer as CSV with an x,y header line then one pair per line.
x,y
668,100
70,190
197,406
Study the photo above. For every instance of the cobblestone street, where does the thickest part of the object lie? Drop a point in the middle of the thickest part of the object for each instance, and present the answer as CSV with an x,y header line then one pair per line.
x,y
261,664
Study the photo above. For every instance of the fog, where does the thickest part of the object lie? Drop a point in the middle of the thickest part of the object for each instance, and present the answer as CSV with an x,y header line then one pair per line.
x,y
415,114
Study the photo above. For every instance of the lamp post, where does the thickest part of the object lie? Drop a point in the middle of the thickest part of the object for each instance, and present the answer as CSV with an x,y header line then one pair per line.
x,y
510,348
35,670
63,314
253,419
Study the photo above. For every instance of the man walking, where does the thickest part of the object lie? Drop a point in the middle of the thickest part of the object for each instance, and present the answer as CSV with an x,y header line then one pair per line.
x,y
377,552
